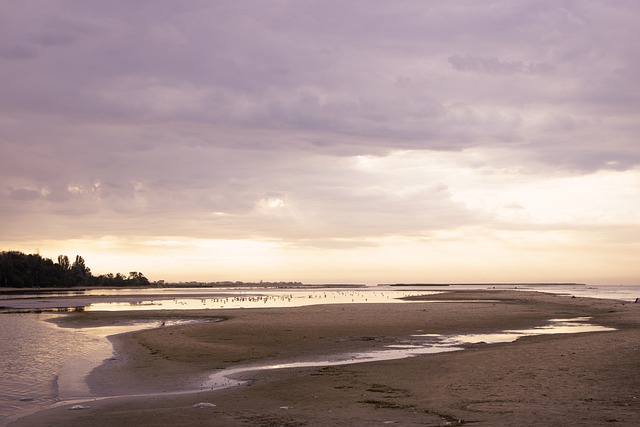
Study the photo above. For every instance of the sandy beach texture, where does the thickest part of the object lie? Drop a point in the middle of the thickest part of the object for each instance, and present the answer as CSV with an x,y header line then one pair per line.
x,y
581,379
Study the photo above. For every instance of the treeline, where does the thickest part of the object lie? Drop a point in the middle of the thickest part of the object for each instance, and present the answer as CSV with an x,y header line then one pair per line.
x,y
19,270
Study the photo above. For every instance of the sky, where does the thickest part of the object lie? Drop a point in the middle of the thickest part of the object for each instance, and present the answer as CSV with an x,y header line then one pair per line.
x,y
365,141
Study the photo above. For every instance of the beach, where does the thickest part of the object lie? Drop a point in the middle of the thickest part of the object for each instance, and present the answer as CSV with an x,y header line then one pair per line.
x,y
556,379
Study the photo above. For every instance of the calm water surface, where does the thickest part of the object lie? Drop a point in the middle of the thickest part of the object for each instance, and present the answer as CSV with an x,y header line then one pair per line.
x,y
199,299
41,363
34,357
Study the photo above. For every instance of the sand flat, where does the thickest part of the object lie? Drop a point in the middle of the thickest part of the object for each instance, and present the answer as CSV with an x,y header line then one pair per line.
x,y
569,379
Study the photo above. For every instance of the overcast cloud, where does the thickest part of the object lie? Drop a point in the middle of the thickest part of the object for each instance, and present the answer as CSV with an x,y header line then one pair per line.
x,y
322,124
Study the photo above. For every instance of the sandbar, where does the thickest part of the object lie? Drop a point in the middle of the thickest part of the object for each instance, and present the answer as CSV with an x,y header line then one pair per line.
x,y
566,379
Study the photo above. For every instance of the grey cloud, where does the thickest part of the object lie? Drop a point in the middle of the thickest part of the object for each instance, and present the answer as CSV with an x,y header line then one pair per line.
x,y
24,194
18,51
243,65
207,191
581,159
184,116
492,65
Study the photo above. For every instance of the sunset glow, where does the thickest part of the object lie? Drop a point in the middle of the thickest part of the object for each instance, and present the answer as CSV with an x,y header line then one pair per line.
x,y
324,142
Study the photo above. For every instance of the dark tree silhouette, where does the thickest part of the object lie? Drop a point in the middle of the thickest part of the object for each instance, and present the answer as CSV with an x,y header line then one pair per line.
x,y
19,270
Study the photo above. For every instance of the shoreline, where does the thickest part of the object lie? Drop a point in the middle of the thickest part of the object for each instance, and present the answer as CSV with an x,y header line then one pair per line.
x,y
168,359
8,290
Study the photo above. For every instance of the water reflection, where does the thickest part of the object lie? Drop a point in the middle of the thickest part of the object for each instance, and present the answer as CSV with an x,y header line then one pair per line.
x,y
42,363
202,299
557,326
31,373
225,378
417,345
126,299
76,367
70,384
6,310
253,300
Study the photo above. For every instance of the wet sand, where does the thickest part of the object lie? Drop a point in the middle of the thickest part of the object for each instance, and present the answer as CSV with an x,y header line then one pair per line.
x,y
570,379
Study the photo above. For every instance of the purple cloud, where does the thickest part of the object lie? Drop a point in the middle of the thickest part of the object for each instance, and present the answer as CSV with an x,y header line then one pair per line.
x,y
248,119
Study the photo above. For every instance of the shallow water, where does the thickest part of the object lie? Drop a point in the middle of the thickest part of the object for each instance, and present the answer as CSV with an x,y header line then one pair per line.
x,y
23,350
199,299
415,345
618,292
555,326
35,361
228,298
41,363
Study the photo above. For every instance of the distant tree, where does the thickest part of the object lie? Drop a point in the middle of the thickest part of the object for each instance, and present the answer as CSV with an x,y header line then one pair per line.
x,y
21,270
119,279
137,279
80,266
12,269
80,273
63,262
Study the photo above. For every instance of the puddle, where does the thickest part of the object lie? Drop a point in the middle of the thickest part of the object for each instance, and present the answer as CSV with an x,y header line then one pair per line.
x,y
556,326
417,345
224,378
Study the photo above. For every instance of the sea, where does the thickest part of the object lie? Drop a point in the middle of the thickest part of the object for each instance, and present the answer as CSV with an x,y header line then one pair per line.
x,y
42,363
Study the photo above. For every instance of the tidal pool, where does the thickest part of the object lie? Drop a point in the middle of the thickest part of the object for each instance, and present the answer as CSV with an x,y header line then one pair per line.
x,y
414,345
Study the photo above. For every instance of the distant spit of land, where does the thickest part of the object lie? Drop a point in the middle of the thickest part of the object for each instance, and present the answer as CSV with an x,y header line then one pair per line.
x,y
272,285
484,284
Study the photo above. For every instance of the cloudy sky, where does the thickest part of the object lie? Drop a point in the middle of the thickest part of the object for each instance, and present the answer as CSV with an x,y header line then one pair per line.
x,y
324,141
